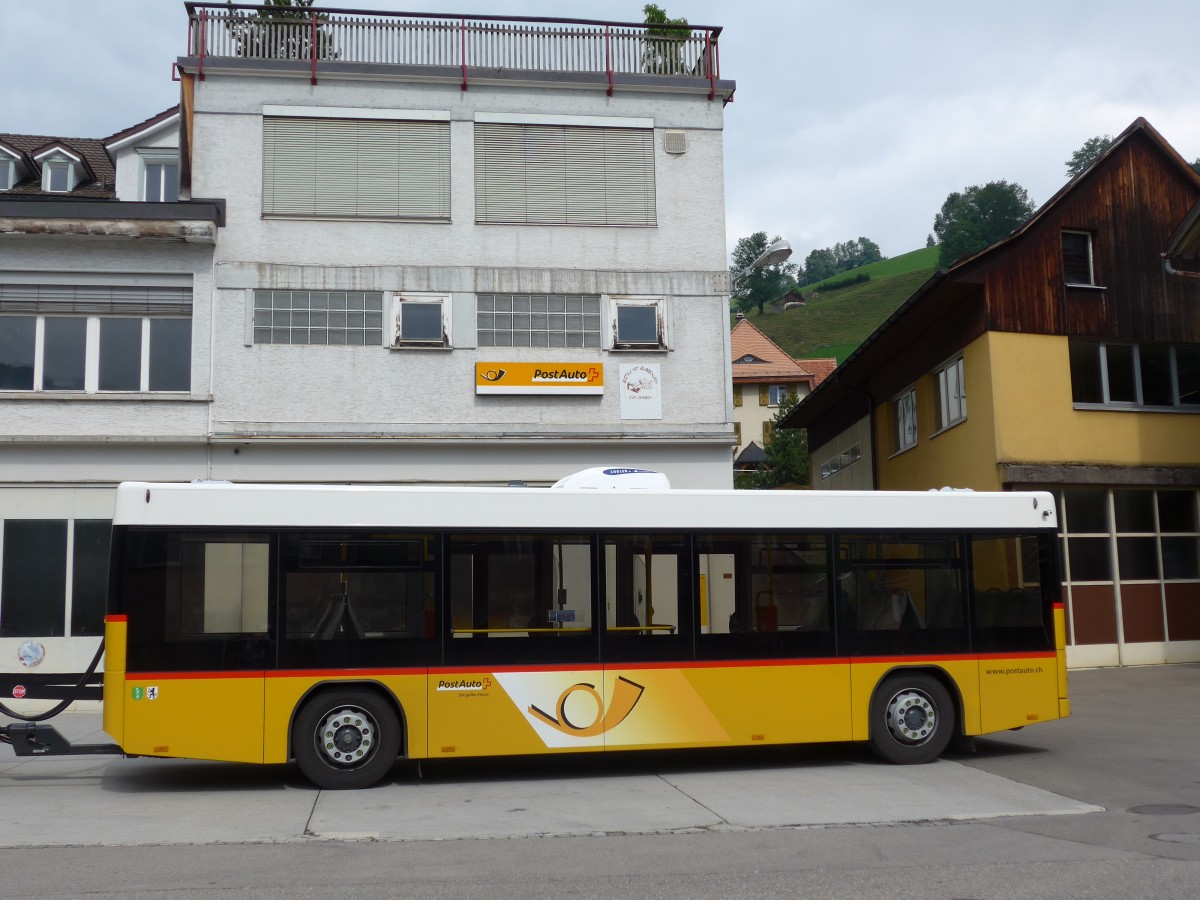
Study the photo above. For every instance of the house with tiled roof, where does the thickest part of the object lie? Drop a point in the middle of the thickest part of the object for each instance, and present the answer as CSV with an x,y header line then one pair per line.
x,y
764,375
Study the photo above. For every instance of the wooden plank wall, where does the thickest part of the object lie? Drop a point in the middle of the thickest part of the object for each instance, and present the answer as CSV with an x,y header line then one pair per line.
x,y
1131,203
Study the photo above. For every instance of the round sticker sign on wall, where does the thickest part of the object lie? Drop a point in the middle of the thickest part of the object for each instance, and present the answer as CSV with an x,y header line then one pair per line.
x,y
31,654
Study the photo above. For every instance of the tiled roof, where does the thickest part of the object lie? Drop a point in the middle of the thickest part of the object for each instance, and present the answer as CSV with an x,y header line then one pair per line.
x,y
90,149
144,125
820,368
773,363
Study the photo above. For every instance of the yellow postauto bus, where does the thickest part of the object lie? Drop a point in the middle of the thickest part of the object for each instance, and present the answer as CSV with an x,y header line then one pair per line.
x,y
346,627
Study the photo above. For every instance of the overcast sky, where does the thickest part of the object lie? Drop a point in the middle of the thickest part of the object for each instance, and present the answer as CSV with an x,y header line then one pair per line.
x,y
850,118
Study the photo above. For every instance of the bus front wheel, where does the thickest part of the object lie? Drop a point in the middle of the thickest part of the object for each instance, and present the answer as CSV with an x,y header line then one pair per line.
x,y
912,719
345,739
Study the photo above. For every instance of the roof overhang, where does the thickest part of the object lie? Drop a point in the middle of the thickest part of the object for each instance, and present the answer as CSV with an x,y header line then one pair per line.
x,y
118,142
189,221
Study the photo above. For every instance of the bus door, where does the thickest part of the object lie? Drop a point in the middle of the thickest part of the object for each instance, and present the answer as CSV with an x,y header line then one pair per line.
x,y
648,699
356,606
521,662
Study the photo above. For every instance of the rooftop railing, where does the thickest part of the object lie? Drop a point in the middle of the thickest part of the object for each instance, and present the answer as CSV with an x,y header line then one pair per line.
x,y
465,43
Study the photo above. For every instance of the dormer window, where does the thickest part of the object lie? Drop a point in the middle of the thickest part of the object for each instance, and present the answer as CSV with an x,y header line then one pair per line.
x,y
8,175
62,169
160,175
56,176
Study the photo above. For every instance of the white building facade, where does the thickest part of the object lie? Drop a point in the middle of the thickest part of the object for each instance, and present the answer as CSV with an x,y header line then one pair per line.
x,y
417,267
481,220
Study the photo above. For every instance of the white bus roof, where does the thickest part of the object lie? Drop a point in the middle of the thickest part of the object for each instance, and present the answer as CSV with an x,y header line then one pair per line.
x,y
220,504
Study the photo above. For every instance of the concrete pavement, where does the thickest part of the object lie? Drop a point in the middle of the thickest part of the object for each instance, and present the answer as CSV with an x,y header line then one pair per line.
x,y
110,801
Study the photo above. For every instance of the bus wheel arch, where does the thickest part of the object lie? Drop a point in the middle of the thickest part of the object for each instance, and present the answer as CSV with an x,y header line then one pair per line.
x,y
914,714
347,735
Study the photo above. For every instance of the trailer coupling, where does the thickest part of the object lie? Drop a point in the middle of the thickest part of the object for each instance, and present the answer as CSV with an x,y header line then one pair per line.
x,y
33,739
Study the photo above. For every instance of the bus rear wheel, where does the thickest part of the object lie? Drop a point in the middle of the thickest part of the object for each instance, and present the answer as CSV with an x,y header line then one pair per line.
x,y
912,719
346,739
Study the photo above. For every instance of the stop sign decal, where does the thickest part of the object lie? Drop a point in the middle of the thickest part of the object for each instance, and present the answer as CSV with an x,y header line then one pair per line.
x,y
18,691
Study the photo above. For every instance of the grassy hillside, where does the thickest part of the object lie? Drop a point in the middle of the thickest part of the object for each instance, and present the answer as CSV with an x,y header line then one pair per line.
x,y
834,323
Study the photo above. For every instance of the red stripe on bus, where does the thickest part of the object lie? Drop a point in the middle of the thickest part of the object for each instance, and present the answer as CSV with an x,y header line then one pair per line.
x,y
582,667
1060,606
116,618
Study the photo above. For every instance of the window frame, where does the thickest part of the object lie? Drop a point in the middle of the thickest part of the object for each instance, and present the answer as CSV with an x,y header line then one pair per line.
x,y
161,157
55,164
262,308
1101,360
774,389
493,307
900,443
590,171
612,338
396,301
1091,258
950,413
426,162
92,356
8,172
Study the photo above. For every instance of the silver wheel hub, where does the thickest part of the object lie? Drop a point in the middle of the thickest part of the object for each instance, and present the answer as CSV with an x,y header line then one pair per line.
x,y
911,716
347,737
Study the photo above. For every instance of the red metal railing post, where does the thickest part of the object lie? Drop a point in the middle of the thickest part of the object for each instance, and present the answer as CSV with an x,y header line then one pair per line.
x,y
312,51
203,35
463,26
712,79
608,56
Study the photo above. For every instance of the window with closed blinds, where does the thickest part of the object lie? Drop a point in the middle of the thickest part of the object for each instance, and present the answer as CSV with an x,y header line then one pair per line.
x,y
564,175
355,168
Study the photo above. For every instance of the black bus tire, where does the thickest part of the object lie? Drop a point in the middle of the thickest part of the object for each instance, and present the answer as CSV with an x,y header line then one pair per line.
x,y
345,738
912,719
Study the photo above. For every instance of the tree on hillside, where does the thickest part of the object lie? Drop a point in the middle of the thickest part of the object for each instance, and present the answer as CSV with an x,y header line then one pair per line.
x,y
979,216
662,51
787,457
761,286
260,34
1087,154
829,261
819,265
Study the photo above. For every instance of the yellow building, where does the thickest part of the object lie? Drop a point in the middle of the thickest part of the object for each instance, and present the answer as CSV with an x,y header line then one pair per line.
x,y
1065,357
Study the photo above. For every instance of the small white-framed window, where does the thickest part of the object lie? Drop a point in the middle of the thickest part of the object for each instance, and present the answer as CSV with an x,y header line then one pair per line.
x,y
160,175
904,419
952,394
58,176
638,323
420,320
1078,260
7,173
777,394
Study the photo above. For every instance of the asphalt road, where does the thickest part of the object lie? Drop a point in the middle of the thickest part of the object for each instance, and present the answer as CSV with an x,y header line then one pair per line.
x,y
1105,804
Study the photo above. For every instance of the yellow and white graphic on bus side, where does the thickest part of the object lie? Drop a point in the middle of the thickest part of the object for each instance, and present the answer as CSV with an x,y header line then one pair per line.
x,y
633,709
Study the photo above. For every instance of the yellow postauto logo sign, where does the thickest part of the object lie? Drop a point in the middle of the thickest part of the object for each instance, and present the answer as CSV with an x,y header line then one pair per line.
x,y
539,378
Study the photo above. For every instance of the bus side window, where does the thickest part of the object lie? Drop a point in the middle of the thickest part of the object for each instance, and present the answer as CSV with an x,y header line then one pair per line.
x,y
1008,611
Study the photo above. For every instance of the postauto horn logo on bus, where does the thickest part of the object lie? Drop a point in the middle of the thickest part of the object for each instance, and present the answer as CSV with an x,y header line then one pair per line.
x,y
626,694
